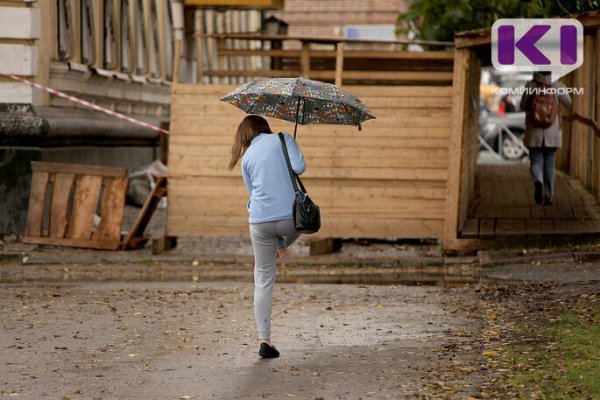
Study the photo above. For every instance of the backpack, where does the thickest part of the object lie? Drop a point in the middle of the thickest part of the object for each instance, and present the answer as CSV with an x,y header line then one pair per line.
x,y
544,107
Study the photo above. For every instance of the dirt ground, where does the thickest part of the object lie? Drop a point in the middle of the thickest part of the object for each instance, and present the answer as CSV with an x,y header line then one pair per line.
x,y
193,340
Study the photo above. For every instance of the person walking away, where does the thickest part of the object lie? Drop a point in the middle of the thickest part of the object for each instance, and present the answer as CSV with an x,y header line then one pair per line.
x,y
272,228
543,131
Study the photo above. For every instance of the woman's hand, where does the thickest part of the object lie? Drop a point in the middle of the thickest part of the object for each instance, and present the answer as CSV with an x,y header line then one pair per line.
x,y
284,254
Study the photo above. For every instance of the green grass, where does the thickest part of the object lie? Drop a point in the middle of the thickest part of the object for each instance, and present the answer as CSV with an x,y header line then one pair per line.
x,y
564,363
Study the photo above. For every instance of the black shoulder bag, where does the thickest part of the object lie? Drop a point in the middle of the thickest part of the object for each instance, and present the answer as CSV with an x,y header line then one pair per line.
x,y
307,215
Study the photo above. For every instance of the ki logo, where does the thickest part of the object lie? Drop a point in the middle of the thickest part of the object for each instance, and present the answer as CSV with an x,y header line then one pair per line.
x,y
537,44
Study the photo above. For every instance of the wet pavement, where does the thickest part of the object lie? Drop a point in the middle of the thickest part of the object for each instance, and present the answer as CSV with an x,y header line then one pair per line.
x,y
408,321
196,340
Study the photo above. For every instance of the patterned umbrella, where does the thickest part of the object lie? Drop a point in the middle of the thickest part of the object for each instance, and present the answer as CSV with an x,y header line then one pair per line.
x,y
299,100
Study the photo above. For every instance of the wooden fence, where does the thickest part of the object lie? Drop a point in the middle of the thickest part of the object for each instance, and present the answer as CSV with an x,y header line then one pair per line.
x,y
581,141
388,181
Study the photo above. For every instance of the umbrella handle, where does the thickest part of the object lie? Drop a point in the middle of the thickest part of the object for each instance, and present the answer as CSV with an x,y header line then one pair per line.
x,y
297,115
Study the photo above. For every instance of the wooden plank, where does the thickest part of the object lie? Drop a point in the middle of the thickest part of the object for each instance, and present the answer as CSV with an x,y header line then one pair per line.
x,y
319,246
77,169
205,208
199,46
184,104
470,229
533,227
72,242
61,193
113,206
560,226
305,132
425,76
339,63
221,161
325,141
318,39
202,187
318,151
209,103
214,198
224,111
392,122
37,201
359,91
368,54
510,227
84,206
547,226
487,228
305,59
163,243
136,233
461,61
361,227
431,174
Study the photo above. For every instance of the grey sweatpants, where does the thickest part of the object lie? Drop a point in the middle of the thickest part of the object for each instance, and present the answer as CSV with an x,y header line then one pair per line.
x,y
265,241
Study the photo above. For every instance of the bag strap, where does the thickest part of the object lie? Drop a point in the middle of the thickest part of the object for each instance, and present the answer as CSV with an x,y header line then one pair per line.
x,y
293,175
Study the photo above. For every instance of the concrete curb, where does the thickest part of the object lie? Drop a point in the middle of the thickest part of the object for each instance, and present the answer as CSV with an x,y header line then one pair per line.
x,y
329,260
451,274
486,260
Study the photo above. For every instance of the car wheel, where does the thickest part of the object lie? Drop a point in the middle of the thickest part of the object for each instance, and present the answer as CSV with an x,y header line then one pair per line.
x,y
512,149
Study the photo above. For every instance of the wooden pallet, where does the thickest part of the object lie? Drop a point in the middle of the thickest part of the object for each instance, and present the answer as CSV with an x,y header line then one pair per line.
x,y
64,199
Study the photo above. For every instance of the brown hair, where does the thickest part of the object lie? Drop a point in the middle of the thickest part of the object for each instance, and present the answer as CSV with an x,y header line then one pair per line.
x,y
249,128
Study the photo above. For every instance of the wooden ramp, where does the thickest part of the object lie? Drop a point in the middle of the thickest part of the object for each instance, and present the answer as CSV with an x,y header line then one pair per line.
x,y
503,206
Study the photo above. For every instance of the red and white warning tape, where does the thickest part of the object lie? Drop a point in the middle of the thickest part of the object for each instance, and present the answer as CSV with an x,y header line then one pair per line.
x,y
87,103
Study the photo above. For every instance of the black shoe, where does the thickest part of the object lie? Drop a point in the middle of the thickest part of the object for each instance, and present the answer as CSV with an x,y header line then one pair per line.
x,y
538,193
267,351
547,201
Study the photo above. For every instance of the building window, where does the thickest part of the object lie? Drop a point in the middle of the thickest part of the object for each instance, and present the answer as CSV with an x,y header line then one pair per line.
x,y
140,36
154,42
126,60
88,37
110,40
64,32
169,43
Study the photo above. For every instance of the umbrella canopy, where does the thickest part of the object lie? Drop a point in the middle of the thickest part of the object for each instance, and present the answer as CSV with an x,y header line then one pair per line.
x,y
299,100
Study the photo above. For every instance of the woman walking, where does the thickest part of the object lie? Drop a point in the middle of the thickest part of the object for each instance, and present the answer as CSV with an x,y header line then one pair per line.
x,y
272,228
